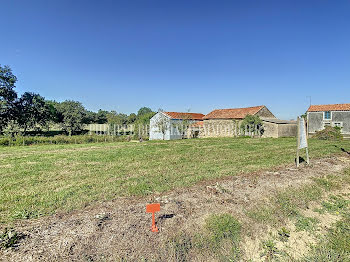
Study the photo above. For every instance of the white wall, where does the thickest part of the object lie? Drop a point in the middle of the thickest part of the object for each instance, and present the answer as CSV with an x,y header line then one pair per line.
x,y
154,133
172,131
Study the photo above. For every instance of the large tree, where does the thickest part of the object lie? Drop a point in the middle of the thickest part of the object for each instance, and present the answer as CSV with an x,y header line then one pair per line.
x,y
71,116
132,118
144,111
33,111
101,116
8,96
117,119
142,123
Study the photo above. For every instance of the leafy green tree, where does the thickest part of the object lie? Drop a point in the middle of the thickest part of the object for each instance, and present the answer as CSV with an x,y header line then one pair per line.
x,y
71,115
90,117
33,110
142,122
114,118
101,117
144,111
132,118
252,121
54,117
8,96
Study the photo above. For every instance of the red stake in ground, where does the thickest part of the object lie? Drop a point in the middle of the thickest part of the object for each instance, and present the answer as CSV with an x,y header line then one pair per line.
x,y
153,208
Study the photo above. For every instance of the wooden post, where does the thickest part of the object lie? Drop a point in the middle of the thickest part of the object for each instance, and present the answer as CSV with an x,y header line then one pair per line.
x,y
307,148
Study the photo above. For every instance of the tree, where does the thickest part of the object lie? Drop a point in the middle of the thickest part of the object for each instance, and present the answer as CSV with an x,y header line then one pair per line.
x,y
142,122
8,96
101,117
144,111
254,121
90,117
33,110
117,119
132,118
71,115
54,116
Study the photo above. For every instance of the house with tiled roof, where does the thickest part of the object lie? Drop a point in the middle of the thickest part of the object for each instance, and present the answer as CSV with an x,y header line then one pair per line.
x,y
227,122
239,113
320,116
172,125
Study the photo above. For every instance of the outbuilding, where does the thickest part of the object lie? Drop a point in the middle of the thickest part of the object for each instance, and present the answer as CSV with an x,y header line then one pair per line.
x,y
172,125
275,128
336,115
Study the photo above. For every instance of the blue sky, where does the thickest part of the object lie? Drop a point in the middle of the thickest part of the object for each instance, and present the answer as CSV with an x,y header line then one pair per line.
x,y
180,55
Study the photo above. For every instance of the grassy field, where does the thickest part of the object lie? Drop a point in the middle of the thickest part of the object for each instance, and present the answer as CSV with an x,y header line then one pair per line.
x,y
40,180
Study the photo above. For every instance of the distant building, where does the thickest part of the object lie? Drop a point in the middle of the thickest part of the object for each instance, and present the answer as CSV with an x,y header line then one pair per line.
x,y
172,125
275,128
320,116
226,123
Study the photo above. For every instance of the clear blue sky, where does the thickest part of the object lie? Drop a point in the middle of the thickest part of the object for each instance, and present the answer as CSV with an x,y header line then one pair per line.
x,y
179,55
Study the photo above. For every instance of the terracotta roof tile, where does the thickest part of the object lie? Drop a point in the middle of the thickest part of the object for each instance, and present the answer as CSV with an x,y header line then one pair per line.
x,y
233,113
190,116
334,107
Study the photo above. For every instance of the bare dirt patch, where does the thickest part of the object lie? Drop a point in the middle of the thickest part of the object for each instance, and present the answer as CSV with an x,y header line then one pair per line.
x,y
120,229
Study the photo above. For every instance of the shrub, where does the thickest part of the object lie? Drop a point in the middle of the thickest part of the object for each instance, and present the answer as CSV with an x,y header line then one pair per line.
x,y
253,123
59,139
329,133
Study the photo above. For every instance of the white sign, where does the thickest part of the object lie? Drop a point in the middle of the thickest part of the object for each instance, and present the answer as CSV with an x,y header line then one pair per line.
x,y
302,133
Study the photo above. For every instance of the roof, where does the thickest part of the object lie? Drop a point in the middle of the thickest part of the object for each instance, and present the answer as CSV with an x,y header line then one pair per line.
x,y
179,115
278,121
334,107
233,113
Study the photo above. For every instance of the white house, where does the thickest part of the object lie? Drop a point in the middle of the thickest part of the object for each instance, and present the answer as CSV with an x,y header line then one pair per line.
x,y
320,116
171,125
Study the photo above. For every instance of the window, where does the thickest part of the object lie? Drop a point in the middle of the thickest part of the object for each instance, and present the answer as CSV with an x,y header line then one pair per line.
x,y
327,115
337,124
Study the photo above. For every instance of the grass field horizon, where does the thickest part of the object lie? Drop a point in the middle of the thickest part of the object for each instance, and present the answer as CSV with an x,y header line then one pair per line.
x,y
41,180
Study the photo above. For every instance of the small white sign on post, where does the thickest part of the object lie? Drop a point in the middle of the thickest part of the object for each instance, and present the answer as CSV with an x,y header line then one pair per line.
x,y
302,140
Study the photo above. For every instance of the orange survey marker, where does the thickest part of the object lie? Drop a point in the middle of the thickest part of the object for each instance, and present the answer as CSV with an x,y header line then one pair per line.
x,y
153,208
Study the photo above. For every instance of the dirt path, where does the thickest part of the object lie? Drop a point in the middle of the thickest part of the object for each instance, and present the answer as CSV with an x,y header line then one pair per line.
x,y
121,229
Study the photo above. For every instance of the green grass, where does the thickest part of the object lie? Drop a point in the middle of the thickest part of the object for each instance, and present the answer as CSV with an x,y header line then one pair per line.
x,y
289,204
217,240
306,223
335,245
44,179
224,229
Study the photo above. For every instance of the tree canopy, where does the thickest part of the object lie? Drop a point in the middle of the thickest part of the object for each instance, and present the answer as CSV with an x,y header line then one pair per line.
x,y
144,111
8,96
32,112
